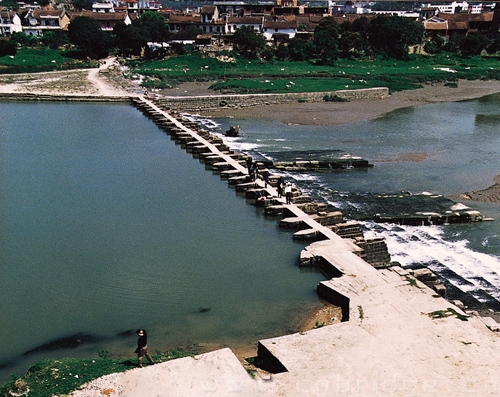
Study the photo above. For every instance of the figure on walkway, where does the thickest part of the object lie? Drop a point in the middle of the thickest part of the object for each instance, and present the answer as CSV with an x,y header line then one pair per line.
x,y
254,169
266,175
142,347
249,166
279,186
288,193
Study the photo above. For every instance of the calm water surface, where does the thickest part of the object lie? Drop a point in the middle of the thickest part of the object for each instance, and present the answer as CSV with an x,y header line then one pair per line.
x,y
108,226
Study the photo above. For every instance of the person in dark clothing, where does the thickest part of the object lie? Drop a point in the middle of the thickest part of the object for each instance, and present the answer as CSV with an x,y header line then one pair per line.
x,y
281,182
142,347
266,177
249,166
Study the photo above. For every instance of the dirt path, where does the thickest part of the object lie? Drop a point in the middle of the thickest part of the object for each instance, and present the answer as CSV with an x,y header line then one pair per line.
x,y
107,80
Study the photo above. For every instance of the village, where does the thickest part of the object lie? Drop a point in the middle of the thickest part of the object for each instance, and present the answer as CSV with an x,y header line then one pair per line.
x,y
277,21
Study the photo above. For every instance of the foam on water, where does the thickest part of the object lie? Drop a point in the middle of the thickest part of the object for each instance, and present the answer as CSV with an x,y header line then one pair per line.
x,y
412,246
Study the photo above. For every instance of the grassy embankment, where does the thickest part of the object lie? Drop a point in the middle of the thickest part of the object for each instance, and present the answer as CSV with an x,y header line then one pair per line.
x,y
33,60
49,377
243,76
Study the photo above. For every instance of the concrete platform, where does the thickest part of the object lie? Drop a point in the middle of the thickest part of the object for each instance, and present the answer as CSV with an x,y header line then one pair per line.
x,y
401,340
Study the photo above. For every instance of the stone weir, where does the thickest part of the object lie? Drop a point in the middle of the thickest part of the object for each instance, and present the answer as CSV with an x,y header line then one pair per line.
x,y
395,323
310,219
62,97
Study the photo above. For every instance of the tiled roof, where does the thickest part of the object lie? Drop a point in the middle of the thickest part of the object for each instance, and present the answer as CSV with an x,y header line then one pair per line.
x,y
100,16
39,13
430,25
248,20
466,17
184,19
280,24
208,9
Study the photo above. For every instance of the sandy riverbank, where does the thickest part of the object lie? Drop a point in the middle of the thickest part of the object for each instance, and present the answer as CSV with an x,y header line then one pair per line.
x,y
334,113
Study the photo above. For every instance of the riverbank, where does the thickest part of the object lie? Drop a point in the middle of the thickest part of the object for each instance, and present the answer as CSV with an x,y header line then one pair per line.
x,y
488,195
336,113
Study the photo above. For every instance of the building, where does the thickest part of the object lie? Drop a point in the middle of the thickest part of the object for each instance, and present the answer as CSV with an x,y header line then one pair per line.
x,y
10,22
38,21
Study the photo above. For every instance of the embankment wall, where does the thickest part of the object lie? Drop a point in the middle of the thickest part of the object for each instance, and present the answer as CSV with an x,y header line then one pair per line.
x,y
217,102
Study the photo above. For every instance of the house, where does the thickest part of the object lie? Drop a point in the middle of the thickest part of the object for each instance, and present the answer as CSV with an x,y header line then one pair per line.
x,y
445,24
209,14
233,23
230,8
103,7
178,23
10,22
279,29
39,21
106,20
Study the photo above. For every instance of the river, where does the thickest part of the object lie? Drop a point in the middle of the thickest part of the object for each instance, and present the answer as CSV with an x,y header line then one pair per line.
x,y
436,149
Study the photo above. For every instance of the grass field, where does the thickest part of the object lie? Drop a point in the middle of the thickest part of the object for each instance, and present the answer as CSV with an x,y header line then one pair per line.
x,y
32,60
243,76
236,75
50,378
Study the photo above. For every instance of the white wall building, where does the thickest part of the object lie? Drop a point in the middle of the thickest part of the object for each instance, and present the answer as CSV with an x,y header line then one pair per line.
x,y
10,22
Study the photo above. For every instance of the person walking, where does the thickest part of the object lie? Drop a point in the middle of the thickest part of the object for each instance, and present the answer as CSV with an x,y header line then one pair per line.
x,y
142,347
288,193
281,182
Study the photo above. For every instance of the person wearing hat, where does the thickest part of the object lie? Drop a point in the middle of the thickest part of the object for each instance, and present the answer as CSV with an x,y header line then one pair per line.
x,y
142,347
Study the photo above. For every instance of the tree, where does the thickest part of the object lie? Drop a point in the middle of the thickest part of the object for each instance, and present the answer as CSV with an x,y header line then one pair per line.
x,y
55,39
282,52
153,27
10,4
473,44
301,50
326,37
435,46
248,43
86,34
391,36
129,39
7,47
190,33
83,4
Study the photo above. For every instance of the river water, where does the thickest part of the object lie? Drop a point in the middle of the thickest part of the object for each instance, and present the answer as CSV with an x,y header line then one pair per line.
x,y
108,226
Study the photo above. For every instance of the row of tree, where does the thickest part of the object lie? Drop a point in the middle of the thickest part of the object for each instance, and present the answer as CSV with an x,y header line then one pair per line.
x,y
92,42
385,36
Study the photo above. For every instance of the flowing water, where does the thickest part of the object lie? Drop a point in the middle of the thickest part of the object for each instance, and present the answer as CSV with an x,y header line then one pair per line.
x,y
438,149
108,226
